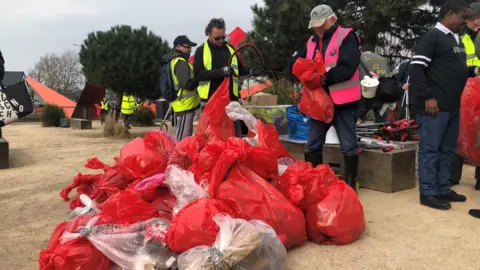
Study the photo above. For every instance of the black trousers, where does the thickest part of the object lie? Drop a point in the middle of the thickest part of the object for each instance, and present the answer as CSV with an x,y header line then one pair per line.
x,y
457,168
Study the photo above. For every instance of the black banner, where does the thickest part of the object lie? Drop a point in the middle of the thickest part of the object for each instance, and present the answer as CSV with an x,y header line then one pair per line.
x,y
15,103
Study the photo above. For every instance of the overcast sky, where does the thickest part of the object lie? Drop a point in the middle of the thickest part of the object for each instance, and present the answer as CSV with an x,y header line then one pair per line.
x,y
31,28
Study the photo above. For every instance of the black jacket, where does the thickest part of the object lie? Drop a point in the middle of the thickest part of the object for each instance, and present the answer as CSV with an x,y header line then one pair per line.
x,y
403,73
348,60
439,71
220,57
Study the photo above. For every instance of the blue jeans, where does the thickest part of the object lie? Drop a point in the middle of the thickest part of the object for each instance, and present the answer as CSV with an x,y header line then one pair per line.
x,y
344,121
438,142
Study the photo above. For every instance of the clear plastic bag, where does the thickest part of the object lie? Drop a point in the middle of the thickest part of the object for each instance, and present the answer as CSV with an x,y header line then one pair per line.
x,y
136,247
236,112
240,244
283,164
89,208
182,184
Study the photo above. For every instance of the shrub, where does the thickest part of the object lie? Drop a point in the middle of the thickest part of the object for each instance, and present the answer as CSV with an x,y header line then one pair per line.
x,y
121,132
109,127
51,115
115,129
143,117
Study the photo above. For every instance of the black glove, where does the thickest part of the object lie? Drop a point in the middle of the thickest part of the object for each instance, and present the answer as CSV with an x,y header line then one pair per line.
x,y
257,71
227,71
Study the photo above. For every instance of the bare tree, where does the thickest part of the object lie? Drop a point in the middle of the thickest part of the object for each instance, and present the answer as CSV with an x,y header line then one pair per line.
x,y
60,72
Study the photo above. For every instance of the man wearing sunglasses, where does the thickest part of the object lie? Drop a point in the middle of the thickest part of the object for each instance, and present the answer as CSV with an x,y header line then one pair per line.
x,y
211,65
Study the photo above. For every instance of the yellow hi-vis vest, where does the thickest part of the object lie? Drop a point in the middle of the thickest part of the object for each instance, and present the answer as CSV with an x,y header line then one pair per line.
x,y
104,105
204,86
128,104
472,59
186,100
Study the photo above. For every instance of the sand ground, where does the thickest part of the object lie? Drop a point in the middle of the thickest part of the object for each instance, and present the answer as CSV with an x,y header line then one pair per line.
x,y
400,234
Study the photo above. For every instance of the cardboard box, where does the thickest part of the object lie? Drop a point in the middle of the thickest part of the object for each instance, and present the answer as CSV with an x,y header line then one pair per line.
x,y
262,99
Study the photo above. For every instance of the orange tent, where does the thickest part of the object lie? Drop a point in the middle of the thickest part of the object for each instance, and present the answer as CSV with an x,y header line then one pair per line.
x,y
50,96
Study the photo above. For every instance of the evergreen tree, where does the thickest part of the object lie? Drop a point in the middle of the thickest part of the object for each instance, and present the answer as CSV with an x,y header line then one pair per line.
x,y
124,60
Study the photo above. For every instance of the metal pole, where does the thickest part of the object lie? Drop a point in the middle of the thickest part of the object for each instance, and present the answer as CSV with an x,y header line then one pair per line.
x,y
407,105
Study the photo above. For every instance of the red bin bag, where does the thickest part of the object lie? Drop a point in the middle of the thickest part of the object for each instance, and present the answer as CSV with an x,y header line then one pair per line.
x,y
338,219
140,159
214,122
315,101
304,185
78,254
186,152
237,183
125,208
162,142
164,203
468,144
194,225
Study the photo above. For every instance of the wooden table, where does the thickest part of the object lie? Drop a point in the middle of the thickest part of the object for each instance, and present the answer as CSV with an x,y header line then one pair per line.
x,y
383,171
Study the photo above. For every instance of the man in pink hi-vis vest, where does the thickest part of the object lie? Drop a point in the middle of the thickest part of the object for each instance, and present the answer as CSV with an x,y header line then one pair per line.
x,y
340,49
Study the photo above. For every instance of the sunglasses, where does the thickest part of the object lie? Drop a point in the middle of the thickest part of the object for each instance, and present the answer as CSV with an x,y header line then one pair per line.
x,y
220,38
187,47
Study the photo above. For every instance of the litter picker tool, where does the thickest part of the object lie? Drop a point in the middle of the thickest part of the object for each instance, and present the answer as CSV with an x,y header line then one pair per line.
x,y
406,101
248,76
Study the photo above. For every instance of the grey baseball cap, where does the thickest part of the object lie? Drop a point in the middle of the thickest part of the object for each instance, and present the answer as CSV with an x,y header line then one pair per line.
x,y
319,15
475,7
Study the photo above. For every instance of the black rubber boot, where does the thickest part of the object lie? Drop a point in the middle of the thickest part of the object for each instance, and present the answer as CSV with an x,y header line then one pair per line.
x,y
316,158
351,169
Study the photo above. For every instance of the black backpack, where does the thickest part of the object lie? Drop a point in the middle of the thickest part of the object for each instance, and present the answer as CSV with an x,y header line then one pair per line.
x,y
389,90
167,87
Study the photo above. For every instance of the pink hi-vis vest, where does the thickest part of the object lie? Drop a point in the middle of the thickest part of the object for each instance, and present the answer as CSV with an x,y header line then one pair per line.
x,y
347,91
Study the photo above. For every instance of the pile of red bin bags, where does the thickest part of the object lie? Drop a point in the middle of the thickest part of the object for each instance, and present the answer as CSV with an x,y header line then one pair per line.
x,y
161,197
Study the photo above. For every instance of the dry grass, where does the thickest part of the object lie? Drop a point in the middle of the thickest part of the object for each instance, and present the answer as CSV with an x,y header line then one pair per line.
x,y
114,129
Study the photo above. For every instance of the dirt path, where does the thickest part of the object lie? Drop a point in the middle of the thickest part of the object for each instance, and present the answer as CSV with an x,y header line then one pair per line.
x,y
401,234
